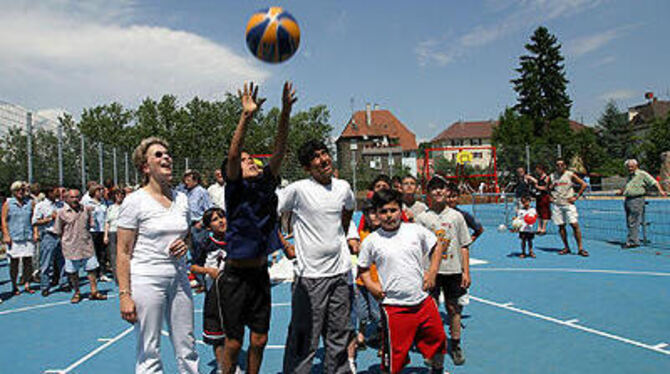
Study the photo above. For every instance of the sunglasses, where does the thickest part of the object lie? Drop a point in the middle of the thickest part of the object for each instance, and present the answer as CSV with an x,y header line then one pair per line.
x,y
160,154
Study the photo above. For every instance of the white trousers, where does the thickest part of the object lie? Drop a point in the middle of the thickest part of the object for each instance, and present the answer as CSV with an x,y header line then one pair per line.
x,y
170,299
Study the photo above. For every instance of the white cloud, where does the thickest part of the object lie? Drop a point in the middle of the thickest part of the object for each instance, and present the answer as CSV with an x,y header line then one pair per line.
x,y
76,54
621,94
603,61
590,43
512,16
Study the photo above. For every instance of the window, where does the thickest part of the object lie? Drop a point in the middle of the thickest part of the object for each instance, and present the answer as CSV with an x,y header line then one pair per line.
x,y
477,141
477,155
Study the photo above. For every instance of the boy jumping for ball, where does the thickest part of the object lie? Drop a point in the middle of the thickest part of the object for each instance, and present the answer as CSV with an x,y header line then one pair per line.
x,y
409,315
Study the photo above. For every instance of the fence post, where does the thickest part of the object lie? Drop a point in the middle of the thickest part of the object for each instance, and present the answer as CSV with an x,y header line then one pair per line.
x,y
125,165
29,138
559,151
60,154
83,163
527,158
100,163
644,224
114,170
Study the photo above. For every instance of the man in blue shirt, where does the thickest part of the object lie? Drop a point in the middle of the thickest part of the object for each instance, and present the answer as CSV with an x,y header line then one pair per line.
x,y
198,203
251,208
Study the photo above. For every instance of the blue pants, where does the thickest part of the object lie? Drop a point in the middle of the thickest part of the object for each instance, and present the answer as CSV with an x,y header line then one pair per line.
x,y
50,251
367,308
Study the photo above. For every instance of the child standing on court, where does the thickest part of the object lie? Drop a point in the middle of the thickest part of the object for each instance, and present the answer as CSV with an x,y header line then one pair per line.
x,y
410,315
527,215
210,262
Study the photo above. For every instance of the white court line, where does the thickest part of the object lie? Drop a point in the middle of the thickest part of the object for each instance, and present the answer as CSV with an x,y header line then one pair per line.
x,y
42,306
572,325
570,270
572,321
92,353
661,345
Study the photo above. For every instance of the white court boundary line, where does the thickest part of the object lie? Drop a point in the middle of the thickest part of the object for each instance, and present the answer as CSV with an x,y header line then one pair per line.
x,y
573,325
93,352
42,306
572,270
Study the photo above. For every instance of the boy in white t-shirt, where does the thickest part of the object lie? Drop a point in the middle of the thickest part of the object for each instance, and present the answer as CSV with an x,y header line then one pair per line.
x,y
527,216
410,315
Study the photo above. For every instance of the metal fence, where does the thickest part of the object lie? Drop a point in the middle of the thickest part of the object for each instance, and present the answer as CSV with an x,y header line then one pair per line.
x,y
601,217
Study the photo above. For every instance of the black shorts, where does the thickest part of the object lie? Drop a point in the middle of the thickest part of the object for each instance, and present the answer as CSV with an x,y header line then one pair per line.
x,y
450,285
213,332
245,294
526,235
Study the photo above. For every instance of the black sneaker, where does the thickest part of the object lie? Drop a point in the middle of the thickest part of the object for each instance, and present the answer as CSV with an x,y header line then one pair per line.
x,y
457,355
45,293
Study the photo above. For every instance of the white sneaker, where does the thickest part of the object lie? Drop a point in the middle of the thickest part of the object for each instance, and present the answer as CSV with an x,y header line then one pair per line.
x,y
104,278
352,365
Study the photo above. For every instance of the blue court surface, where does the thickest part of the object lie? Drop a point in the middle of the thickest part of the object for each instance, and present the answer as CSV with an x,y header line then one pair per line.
x,y
609,313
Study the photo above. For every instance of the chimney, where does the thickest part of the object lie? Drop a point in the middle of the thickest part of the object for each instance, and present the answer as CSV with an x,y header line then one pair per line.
x,y
368,114
376,106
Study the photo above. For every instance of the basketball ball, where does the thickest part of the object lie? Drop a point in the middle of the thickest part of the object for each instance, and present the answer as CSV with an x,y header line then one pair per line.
x,y
273,35
530,218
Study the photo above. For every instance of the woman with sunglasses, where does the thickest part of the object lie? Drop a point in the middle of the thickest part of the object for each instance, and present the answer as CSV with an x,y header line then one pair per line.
x,y
19,234
151,268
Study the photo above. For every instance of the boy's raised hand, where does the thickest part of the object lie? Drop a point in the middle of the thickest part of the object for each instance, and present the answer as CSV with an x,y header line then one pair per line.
x,y
288,97
249,97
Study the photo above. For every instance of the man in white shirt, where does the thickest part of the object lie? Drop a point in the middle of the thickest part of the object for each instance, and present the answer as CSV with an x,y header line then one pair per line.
x,y
217,190
321,208
44,217
454,275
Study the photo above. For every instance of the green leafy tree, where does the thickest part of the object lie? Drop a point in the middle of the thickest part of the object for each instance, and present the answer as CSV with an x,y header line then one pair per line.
x,y
541,85
656,141
614,132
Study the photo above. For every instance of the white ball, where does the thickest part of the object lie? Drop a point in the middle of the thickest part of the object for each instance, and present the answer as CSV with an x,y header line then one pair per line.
x,y
502,228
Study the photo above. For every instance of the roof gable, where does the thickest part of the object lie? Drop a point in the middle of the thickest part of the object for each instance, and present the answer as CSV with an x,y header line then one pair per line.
x,y
382,123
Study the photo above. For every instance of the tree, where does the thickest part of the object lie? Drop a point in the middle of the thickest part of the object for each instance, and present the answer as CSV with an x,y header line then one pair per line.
x,y
541,86
656,141
614,132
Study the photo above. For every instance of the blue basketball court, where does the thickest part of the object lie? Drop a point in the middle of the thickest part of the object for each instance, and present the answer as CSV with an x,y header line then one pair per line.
x,y
608,313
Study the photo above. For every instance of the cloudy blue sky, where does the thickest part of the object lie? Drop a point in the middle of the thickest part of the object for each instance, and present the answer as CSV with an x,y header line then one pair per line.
x,y
430,62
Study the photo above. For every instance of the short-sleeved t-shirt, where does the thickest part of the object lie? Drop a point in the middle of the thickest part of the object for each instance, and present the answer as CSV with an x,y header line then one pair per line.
x,y
562,187
451,230
470,220
320,240
251,212
416,208
521,214
157,227
212,252
399,256
637,183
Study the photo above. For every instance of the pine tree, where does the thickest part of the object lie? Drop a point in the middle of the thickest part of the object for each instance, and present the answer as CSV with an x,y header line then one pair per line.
x,y
541,86
614,132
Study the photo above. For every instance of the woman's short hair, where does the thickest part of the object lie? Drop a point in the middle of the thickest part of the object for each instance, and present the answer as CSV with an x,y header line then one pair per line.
x,y
140,154
17,185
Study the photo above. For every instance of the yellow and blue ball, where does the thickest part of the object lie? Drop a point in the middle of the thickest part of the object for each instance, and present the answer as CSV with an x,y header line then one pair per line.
x,y
273,35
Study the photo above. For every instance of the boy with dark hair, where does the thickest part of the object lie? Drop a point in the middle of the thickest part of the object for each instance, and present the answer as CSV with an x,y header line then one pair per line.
x,y
526,217
410,315
321,208
470,220
251,205
454,274
411,205
210,263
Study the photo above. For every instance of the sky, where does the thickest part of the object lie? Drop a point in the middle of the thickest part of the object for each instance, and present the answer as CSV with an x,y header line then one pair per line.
x,y
430,62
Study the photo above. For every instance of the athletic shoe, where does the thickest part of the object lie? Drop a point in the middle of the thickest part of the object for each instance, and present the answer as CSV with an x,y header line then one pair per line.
x,y
104,278
45,293
457,355
76,298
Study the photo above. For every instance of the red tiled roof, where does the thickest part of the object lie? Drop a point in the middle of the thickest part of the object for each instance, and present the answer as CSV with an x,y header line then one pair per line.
x,y
382,123
479,129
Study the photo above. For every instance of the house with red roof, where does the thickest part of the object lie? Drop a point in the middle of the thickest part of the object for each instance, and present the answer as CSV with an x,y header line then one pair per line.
x,y
378,139
474,134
